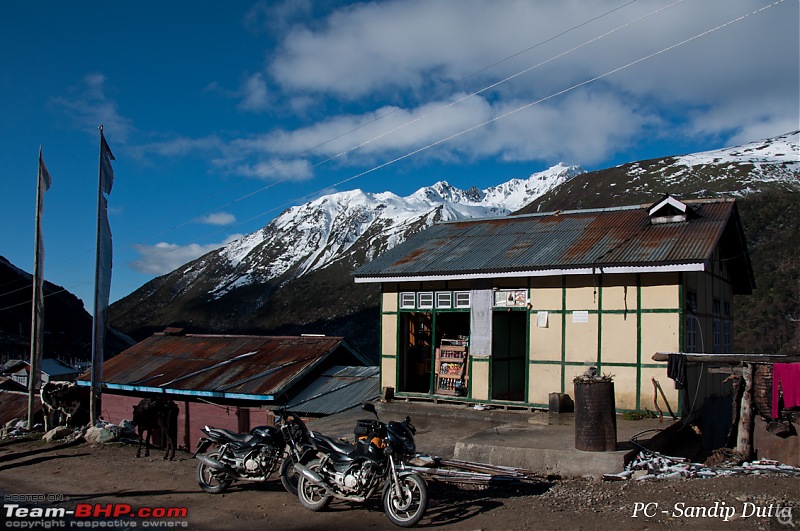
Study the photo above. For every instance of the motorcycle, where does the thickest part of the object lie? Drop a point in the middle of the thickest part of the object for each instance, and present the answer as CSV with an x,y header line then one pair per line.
x,y
253,456
355,472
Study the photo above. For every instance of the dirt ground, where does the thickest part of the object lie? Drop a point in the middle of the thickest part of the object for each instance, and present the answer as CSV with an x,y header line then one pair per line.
x,y
78,473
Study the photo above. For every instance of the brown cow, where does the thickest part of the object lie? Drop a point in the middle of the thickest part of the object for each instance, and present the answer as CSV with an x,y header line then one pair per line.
x,y
161,413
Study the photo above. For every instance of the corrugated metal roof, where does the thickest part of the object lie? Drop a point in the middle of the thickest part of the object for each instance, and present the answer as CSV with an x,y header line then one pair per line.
x,y
556,241
220,365
337,389
14,405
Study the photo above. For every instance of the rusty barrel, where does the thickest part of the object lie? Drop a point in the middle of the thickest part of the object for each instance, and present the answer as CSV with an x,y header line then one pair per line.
x,y
595,417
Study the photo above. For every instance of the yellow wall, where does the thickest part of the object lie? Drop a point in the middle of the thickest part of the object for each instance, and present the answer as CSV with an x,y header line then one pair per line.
x,y
479,380
630,317
545,343
544,379
388,372
546,293
624,386
619,292
613,314
389,335
618,339
660,290
390,301
660,333
581,338
582,292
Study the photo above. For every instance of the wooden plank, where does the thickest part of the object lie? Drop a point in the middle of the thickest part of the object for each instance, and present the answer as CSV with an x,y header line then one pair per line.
x,y
730,358
744,443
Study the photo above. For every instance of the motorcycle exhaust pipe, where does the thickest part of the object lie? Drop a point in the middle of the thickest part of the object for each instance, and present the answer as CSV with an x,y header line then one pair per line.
x,y
310,475
216,465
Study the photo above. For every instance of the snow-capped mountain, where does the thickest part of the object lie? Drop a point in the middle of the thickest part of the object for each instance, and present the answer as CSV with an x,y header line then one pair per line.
x,y
294,275
334,227
773,163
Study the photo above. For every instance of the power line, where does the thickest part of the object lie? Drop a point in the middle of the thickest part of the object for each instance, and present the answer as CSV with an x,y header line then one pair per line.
x,y
265,171
426,115
521,108
497,118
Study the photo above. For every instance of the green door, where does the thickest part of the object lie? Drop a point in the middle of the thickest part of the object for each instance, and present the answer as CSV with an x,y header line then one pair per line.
x,y
508,355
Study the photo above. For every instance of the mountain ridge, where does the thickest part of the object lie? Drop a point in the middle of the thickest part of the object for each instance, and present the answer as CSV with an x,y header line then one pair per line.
x,y
294,274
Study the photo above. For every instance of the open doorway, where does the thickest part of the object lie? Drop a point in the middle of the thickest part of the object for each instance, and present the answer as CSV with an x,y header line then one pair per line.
x,y
415,352
509,355
451,325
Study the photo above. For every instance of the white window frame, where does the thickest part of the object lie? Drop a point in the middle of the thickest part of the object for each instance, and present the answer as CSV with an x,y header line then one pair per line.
x,y
408,300
425,300
444,299
458,299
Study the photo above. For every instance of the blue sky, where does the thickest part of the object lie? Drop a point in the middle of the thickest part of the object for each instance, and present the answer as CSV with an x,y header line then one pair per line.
x,y
222,114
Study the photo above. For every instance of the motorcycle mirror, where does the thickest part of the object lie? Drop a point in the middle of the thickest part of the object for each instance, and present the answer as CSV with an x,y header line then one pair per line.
x,y
367,406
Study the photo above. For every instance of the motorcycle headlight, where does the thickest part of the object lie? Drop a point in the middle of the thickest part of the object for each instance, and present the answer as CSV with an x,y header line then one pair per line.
x,y
410,447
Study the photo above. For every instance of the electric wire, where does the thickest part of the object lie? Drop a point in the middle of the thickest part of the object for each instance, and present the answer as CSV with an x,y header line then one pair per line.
x,y
521,108
494,119
422,117
387,133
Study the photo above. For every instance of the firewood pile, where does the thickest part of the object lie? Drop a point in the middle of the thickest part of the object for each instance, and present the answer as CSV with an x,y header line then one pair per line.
x,y
466,472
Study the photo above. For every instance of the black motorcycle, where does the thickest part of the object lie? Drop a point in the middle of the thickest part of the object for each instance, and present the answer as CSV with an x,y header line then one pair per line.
x,y
253,456
355,472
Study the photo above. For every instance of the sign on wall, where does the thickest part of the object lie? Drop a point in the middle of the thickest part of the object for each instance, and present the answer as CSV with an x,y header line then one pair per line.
x,y
511,297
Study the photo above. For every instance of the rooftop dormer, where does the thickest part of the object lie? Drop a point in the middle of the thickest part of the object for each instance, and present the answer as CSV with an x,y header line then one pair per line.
x,y
668,210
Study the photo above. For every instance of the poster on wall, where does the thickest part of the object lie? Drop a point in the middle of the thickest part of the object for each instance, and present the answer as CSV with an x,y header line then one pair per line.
x,y
511,297
580,316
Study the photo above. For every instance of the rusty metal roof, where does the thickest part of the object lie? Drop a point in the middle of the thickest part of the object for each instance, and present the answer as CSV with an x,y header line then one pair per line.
x,y
560,243
14,405
222,366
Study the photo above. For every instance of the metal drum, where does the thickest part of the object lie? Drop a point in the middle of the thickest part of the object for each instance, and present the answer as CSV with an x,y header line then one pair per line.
x,y
595,417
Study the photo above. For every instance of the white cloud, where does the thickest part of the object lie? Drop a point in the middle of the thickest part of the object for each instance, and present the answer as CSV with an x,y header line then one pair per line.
x,y
218,218
254,94
164,257
407,50
275,17
181,146
88,107
583,126
277,169
381,78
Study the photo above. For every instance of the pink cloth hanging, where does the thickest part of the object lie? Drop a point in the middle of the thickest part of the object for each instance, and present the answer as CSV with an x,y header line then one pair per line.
x,y
786,377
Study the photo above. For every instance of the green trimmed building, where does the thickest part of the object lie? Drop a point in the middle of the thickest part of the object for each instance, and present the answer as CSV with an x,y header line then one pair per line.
x,y
509,310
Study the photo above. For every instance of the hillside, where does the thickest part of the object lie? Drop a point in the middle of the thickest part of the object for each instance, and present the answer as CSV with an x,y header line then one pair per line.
x,y
294,275
765,177
68,326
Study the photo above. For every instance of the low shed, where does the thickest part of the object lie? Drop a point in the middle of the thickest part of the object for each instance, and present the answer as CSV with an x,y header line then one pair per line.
x,y
227,381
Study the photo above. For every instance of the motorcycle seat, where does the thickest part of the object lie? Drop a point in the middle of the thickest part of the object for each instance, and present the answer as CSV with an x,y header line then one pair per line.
x,y
337,445
221,433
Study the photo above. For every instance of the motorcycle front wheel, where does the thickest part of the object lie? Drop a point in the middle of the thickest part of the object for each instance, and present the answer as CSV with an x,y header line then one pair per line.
x,y
211,480
408,508
289,475
312,497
